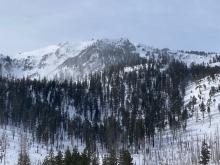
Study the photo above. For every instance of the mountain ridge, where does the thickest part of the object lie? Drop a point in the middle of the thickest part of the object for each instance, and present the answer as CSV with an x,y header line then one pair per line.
x,y
77,60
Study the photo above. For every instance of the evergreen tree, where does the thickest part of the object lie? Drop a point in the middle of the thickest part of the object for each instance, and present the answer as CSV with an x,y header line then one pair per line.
x,y
94,161
205,154
219,107
125,158
50,159
68,157
59,158
202,108
23,159
111,159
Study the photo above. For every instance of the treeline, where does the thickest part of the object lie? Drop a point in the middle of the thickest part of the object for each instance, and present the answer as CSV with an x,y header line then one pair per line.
x,y
86,158
200,71
202,53
69,158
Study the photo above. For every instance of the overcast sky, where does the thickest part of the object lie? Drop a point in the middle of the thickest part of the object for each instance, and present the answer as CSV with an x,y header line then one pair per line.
x,y
177,24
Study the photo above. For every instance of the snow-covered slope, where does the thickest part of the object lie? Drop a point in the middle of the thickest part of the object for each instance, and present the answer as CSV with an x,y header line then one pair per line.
x,y
68,60
188,57
10,145
170,148
45,62
184,147
76,60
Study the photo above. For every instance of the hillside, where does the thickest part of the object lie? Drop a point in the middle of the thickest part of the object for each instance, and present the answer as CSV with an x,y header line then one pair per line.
x,y
157,104
77,60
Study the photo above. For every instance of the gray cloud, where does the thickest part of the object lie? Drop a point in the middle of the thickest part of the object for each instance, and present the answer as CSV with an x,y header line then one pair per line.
x,y
177,24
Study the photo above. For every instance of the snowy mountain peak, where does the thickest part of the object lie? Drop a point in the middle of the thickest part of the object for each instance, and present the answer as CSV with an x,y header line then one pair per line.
x,y
75,60
69,60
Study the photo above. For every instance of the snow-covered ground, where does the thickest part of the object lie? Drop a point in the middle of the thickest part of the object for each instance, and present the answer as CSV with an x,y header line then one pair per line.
x,y
45,62
183,147
171,148
10,145
49,61
201,91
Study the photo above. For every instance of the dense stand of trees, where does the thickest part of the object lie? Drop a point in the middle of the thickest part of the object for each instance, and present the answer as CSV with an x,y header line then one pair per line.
x,y
85,158
116,108
70,158
112,107
200,71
